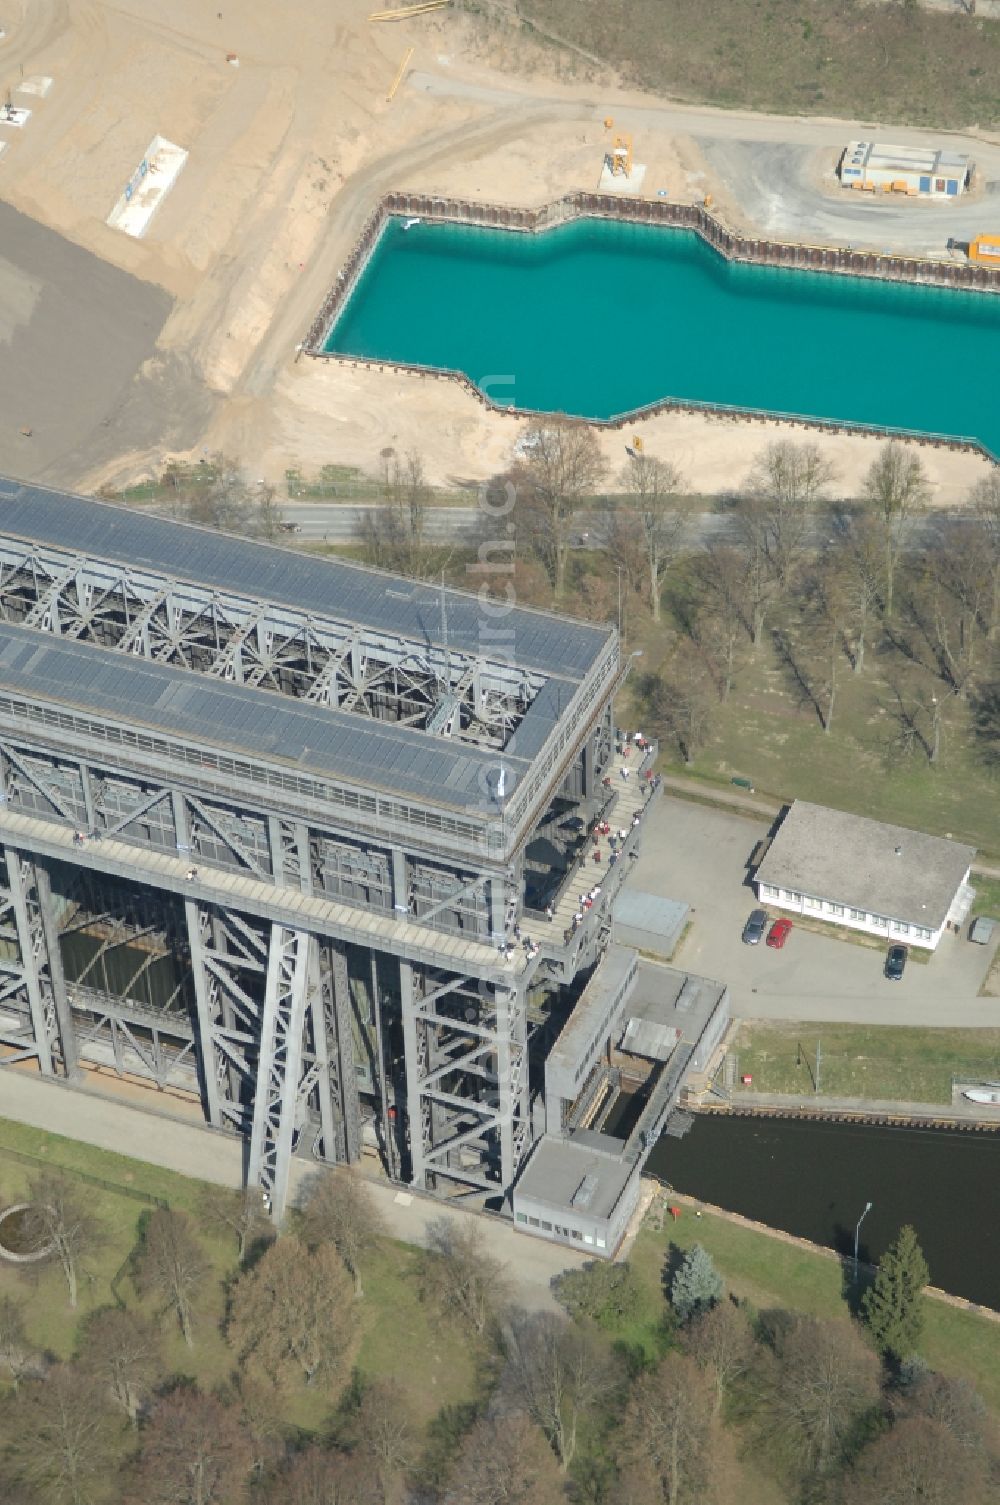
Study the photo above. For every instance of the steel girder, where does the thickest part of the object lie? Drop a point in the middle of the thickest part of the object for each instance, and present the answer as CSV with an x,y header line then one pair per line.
x,y
274,1042
35,1019
466,1052
471,698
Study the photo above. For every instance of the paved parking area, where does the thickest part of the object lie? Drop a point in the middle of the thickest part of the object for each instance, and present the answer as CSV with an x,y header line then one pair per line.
x,y
701,855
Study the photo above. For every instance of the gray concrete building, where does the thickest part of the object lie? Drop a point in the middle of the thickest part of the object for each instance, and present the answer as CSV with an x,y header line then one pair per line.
x,y
305,846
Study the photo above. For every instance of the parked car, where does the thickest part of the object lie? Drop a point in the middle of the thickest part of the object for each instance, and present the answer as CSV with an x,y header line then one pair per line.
x,y
895,962
779,933
754,928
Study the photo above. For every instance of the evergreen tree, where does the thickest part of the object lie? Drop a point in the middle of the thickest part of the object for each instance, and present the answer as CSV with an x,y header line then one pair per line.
x,y
697,1286
893,1305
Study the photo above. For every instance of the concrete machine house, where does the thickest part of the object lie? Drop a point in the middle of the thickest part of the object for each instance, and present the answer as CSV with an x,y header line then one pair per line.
x,y
885,880
299,844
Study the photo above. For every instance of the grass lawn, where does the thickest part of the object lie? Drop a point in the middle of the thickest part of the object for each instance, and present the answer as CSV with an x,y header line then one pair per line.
x,y
911,1065
770,1273
397,1337
891,62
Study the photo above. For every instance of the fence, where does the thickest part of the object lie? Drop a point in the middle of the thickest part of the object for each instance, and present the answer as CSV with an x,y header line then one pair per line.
x,y
872,265
26,1158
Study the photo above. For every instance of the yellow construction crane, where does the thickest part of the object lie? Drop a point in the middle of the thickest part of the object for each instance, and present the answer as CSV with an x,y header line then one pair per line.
x,y
399,75
621,156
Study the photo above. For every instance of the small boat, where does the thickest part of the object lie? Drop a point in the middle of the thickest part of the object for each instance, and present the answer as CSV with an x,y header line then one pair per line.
x,y
408,224
976,1095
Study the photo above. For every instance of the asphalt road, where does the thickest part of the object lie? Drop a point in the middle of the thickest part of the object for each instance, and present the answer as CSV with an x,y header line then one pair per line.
x,y
338,522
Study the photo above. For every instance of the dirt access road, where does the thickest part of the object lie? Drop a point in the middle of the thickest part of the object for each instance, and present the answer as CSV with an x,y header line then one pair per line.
x,y
290,137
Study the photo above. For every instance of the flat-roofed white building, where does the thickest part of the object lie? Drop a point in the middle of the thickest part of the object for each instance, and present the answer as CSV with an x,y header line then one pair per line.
x,y
922,170
886,880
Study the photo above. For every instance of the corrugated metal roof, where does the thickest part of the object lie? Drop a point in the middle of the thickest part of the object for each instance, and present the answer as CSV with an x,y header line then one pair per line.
x,y
386,603
371,754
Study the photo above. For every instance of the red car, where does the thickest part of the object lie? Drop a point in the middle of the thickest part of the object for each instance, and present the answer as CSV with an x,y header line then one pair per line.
x,y
779,933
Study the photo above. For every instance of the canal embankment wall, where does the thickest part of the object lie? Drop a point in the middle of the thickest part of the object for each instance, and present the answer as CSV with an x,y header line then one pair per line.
x,y
757,251
697,1205
853,1110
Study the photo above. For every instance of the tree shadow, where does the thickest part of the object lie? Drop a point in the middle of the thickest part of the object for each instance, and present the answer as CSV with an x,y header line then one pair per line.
x,y
785,652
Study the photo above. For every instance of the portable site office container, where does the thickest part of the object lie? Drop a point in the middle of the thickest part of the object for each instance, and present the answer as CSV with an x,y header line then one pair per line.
x,y
915,170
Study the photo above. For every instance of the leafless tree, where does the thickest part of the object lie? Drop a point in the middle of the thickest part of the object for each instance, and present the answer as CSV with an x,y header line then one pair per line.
x,y
194,1452
668,1434
917,1462
384,1435
559,462
65,1441
171,1263
558,1372
827,612
222,497
897,490
786,485
60,1219
652,486
240,1213
291,1313
955,1405
720,619
620,535
122,1350
762,586
825,1379
459,1276
505,1460
317,1476
721,1343
16,1353
985,498
679,703
860,566
338,1209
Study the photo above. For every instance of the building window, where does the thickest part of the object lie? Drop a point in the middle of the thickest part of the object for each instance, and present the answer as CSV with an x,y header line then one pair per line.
x,y
814,903
900,927
791,894
547,1226
768,890
533,1222
857,914
601,1243
880,921
836,908
575,1233
522,1217
587,1239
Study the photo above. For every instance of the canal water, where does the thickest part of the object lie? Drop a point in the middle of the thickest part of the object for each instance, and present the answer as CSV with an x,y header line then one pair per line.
x,y
813,1179
596,318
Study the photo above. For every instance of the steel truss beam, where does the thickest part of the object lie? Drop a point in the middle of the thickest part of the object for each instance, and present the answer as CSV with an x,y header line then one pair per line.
x,y
466,1051
253,642
35,1021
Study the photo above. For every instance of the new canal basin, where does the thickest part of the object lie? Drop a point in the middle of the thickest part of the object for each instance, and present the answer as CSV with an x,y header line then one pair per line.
x,y
597,318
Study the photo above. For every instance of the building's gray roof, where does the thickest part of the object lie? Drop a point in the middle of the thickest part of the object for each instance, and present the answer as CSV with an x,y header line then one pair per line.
x,y
576,1177
643,911
346,592
314,739
865,864
667,1000
592,1011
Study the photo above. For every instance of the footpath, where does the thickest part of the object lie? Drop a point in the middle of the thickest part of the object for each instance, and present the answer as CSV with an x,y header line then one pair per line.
x,y
961,1114
189,1150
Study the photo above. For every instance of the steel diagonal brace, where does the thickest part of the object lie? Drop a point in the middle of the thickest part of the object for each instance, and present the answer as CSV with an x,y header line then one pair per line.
x,y
53,799
276,1096
236,847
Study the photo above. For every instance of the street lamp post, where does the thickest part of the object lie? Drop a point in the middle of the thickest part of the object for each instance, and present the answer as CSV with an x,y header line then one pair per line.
x,y
857,1234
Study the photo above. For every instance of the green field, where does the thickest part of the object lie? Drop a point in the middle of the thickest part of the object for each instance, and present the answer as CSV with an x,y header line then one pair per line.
x,y
770,1273
908,1065
398,1336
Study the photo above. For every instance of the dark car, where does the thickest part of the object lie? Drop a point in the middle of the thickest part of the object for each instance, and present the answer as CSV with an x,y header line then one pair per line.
x,y
895,962
754,927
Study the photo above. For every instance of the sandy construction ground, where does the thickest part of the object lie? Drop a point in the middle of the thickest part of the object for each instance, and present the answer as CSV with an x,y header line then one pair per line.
x,y
185,340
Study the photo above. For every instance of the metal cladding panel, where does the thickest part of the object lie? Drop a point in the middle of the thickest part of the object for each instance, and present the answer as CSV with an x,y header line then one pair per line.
x,y
143,695
348,593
